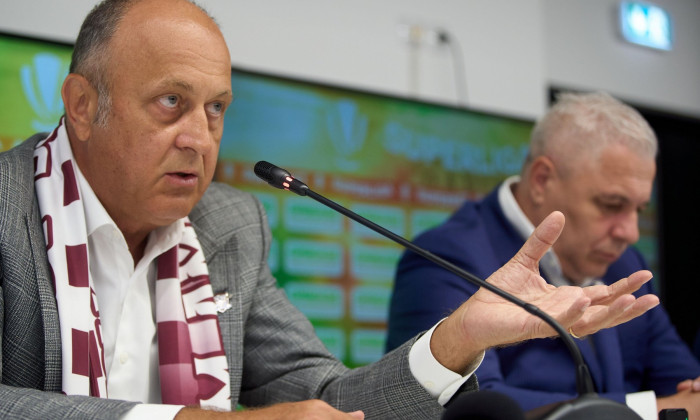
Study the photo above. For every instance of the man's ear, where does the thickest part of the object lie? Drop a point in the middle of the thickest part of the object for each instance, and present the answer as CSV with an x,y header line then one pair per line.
x,y
80,102
541,174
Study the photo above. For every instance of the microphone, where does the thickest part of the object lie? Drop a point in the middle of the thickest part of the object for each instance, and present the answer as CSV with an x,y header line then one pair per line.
x,y
587,405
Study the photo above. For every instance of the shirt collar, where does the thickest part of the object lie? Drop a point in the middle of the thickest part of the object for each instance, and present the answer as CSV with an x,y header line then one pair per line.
x,y
95,214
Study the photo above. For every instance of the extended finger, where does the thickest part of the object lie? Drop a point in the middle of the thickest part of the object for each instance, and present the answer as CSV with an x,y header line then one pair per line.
x,y
603,295
575,312
600,316
545,234
640,305
623,309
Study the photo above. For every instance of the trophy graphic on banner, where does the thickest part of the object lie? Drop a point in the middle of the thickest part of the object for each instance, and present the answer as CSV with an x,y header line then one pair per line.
x,y
347,130
41,83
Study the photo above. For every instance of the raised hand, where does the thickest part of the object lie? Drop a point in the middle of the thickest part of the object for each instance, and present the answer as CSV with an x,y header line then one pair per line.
x,y
486,320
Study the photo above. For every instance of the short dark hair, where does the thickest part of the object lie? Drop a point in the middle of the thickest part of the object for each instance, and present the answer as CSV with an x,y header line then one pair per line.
x,y
91,51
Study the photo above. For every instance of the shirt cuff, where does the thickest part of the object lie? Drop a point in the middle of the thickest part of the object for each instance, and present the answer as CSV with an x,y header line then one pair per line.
x,y
440,382
643,403
152,411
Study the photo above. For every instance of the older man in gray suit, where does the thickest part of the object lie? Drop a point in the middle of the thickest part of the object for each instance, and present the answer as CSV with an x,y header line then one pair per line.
x,y
132,288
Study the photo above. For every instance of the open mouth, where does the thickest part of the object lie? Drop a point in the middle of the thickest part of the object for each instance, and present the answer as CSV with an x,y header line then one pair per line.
x,y
183,178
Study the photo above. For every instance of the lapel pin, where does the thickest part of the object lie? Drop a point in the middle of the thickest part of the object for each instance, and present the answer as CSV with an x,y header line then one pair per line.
x,y
222,301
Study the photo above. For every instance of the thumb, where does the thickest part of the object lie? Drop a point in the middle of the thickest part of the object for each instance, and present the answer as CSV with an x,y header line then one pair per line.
x,y
544,236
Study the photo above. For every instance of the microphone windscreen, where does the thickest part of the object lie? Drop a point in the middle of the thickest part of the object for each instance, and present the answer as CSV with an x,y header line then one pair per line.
x,y
483,405
264,170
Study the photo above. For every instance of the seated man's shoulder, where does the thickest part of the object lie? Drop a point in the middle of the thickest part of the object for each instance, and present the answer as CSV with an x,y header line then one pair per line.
x,y
465,222
21,153
17,173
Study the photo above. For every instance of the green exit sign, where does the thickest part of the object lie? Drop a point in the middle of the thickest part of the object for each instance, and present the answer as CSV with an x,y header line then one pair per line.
x,y
646,24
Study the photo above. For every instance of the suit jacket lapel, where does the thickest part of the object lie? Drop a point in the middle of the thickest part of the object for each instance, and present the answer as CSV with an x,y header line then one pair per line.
x,y
221,254
37,261
607,344
47,302
591,357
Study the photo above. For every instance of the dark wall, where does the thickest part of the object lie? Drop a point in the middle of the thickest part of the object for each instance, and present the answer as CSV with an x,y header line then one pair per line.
x,y
679,219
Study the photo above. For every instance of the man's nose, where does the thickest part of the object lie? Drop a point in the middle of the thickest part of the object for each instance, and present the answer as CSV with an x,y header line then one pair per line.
x,y
194,133
626,227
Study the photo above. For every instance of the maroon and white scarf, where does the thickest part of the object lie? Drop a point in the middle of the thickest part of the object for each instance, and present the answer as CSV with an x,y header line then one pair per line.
x,y
192,362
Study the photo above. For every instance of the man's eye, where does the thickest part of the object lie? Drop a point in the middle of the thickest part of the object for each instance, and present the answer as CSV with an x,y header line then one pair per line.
x,y
612,207
216,108
169,101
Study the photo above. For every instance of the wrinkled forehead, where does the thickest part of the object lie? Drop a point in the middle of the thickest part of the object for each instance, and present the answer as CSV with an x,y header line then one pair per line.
x,y
148,44
573,150
616,170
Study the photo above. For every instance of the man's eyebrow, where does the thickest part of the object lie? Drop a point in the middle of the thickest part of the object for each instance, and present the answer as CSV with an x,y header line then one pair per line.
x,y
188,87
613,196
228,93
170,83
620,199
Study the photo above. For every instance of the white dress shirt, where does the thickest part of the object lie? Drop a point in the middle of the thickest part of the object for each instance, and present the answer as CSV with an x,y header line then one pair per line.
x,y
643,403
125,298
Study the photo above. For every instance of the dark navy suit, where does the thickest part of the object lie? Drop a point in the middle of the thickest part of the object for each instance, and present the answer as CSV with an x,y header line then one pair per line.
x,y
643,354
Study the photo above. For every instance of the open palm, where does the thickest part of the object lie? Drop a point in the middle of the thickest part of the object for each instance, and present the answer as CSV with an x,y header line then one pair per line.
x,y
493,321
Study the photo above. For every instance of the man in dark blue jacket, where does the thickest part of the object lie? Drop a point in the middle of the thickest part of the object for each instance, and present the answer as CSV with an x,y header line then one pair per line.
x,y
593,158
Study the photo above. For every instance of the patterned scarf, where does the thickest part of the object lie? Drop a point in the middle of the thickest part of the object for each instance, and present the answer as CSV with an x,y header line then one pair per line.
x,y
192,362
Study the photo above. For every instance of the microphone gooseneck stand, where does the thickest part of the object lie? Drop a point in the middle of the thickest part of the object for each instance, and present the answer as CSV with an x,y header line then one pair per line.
x,y
587,406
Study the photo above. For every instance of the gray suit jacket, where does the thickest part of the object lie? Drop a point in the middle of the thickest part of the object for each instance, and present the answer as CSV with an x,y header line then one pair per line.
x,y
272,350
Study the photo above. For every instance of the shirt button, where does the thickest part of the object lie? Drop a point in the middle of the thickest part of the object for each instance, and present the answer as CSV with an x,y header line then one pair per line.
x,y
429,385
123,358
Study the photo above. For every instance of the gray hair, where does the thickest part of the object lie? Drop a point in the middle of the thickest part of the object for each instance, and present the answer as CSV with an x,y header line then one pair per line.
x,y
91,52
582,124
